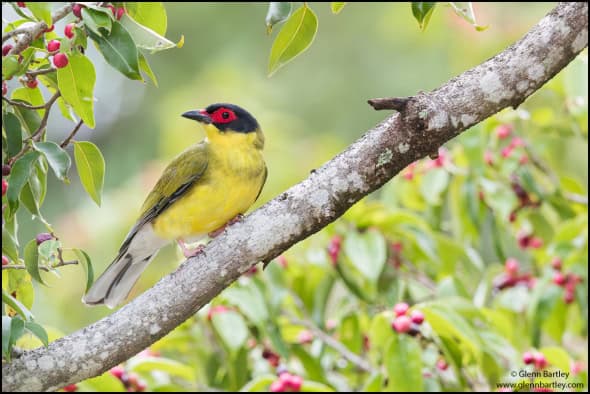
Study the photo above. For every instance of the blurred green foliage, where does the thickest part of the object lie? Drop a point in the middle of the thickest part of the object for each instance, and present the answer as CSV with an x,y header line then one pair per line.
x,y
436,236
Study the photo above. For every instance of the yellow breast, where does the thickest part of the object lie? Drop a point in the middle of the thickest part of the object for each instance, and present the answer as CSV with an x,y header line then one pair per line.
x,y
233,179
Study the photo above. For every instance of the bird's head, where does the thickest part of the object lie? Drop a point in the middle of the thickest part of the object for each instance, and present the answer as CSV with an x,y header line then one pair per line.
x,y
227,124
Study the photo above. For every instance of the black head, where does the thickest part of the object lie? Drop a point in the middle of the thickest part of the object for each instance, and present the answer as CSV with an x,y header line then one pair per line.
x,y
225,117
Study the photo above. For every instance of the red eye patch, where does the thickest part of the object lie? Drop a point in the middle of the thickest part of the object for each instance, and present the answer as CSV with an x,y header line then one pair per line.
x,y
223,115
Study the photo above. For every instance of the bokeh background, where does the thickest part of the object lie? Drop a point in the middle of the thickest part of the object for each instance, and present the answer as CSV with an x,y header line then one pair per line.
x,y
309,110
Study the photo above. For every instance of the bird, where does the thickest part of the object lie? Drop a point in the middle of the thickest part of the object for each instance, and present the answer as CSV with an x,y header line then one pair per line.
x,y
209,185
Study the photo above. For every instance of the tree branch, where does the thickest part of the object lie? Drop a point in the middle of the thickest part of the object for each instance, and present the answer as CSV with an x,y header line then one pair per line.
x,y
66,141
427,121
29,33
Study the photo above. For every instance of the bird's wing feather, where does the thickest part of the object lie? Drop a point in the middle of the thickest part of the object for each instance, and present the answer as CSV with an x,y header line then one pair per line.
x,y
263,182
186,169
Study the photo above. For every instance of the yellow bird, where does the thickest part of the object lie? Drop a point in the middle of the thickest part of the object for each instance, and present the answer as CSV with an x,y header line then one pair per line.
x,y
201,190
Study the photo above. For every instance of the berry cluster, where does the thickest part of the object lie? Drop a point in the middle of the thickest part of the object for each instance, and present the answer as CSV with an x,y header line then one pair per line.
x,y
535,358
568,280
286,383
404,323
442,159
272,357
512,276
130,380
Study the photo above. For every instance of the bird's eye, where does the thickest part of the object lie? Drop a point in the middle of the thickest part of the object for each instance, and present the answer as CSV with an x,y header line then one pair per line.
x,y
225,115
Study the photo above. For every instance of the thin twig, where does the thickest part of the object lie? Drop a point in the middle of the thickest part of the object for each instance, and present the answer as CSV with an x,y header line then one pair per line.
x,y
72,134
42,71
23,105
36,136
29,33
41,267
358,361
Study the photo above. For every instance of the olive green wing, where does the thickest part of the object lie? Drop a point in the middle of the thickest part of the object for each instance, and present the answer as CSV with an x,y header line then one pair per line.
x,y
263,182
182,173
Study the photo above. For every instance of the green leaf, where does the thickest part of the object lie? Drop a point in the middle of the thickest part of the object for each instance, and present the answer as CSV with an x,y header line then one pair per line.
x,y
6,325
295,37
9,244
48,249
14,134
465,11
337,7
257,385
422,12
32,260
84,259
38,182
144,37
350,333
38,331
367,251
20,281
313,367
149,14
374,383
10,66
315,387
17,329
249,301
231,328
30,119
105,383
278,11
91,167
76,83
433,184
58,159
31,96
16,305
171,367
27,198
119,50
404,364
19,175
557,357
145,67
96,19
41,11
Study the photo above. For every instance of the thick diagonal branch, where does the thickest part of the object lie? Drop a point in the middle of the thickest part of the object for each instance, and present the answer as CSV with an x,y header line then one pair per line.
x,y
423,124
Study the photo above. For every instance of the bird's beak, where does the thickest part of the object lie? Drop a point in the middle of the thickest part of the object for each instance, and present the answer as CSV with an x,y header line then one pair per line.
x,y
199,115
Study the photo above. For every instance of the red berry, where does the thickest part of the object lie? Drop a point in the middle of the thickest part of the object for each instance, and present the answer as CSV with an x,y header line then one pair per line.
x,y
42,237
5,260
503,131
216,309
4,88
528,358
523,159
512,217
397,247
282,261
511,266
401,308
517,142
5,49
278,386
70,388
292,382
402,324
523,240
304,336
556,263
120,12
540,361
576,367
4,186
535,243
112,8
334,248
488,158
50,29
21,4
60,60
559,279
117,371
569,296
506,151
32,83
69,30
77,10
53,45
417,317
442,365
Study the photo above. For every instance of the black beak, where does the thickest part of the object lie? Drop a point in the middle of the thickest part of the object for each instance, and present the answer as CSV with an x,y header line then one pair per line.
x,y
199,115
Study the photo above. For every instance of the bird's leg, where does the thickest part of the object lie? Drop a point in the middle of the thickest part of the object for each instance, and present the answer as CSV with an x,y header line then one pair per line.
x,y
189,252
221,229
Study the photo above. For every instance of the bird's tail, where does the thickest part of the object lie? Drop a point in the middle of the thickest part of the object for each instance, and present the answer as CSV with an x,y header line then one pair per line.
x,y
116,282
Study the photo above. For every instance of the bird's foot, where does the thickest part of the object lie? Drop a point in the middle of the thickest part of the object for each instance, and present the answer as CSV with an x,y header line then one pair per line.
x,y
190,252
221,229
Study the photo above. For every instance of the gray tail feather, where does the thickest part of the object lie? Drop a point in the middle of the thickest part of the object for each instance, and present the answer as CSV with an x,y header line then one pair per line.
x,y
116,282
